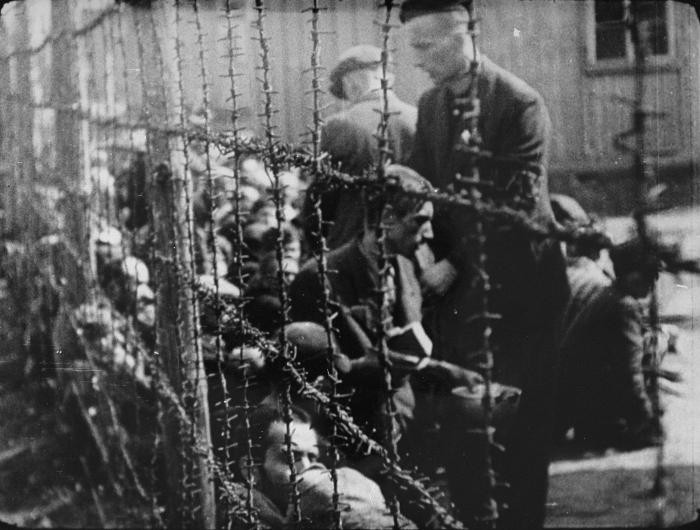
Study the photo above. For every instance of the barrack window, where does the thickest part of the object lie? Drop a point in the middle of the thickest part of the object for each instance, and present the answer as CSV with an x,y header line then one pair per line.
x,y
612,43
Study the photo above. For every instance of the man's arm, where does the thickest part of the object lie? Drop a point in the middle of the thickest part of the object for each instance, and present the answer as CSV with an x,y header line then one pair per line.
x,y
526,137
626,361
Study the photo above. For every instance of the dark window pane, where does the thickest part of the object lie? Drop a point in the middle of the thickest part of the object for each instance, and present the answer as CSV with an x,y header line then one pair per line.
x,y
653,16
650,10
610,42
607,11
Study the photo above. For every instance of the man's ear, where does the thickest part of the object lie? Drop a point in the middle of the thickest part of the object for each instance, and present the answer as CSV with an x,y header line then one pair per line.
x,y
348,87
243,467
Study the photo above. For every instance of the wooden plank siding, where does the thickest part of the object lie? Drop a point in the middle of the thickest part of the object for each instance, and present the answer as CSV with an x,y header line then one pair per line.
x,y
541,41
544,42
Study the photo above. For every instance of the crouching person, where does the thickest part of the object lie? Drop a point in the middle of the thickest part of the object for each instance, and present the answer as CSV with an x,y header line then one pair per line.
x,y
362,503
604,397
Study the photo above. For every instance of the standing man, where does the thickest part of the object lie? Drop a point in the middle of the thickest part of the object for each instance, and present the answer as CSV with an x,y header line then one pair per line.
x,y
528,276
349,136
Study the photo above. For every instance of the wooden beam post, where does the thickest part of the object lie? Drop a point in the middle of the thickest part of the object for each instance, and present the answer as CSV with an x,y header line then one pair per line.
x,y
178,310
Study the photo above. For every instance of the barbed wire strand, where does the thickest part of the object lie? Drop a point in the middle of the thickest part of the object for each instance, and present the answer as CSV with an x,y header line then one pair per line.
x,y
320,249
384,268
273,170
214,195
251,515
191,268
118,42
469,186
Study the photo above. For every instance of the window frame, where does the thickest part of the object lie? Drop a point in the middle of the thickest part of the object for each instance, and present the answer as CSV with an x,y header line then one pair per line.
x,y
625,64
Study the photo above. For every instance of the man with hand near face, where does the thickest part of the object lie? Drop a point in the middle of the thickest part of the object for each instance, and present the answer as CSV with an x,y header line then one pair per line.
x,y
362,502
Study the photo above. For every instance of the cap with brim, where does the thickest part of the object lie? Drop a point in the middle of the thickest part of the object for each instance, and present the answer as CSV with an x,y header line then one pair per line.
x,y
355,58
414,8
311,343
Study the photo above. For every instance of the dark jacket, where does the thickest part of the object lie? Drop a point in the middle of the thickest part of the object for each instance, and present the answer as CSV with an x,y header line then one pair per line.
x,y
352,283
349,138
602,351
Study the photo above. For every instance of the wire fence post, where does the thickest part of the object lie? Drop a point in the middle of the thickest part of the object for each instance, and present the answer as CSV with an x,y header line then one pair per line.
x,y
175,323
178,316
7,201
26,170
67,144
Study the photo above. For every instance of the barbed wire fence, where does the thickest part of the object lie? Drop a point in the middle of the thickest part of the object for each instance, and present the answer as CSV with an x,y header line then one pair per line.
x,y
63,211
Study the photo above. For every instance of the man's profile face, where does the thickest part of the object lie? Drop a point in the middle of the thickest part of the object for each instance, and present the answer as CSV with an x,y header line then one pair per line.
x,y
440,55
405,234
276,463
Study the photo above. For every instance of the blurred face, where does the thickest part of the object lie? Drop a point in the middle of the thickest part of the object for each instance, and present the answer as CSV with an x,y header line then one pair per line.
x,y
405,234
266,215
292,250
276,463
439,54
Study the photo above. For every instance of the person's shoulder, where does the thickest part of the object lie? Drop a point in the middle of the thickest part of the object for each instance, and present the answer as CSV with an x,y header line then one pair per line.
x,y
398,105
427,99
506,83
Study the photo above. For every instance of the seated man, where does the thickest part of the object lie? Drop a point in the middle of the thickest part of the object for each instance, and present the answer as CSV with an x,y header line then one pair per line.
x,y
353,285
362,503
603,395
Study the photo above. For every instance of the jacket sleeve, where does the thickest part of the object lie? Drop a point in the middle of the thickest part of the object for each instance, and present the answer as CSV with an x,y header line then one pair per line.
x,y
526,136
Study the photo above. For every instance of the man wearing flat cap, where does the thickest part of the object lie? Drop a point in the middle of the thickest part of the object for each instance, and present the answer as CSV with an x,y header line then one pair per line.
x,y
528,277
349,136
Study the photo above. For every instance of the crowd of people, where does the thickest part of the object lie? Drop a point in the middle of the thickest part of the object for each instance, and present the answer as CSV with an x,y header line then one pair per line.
x,y
563,317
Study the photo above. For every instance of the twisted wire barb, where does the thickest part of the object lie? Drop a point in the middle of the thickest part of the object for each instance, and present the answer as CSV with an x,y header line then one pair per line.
x,y
251,514
187,460
320,249
468,184
119,431
117,41
273,172
190,272
93,217
211,240
384,268
177,261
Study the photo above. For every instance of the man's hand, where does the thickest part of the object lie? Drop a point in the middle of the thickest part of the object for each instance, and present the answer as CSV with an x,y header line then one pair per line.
x,y
438,278
451,375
